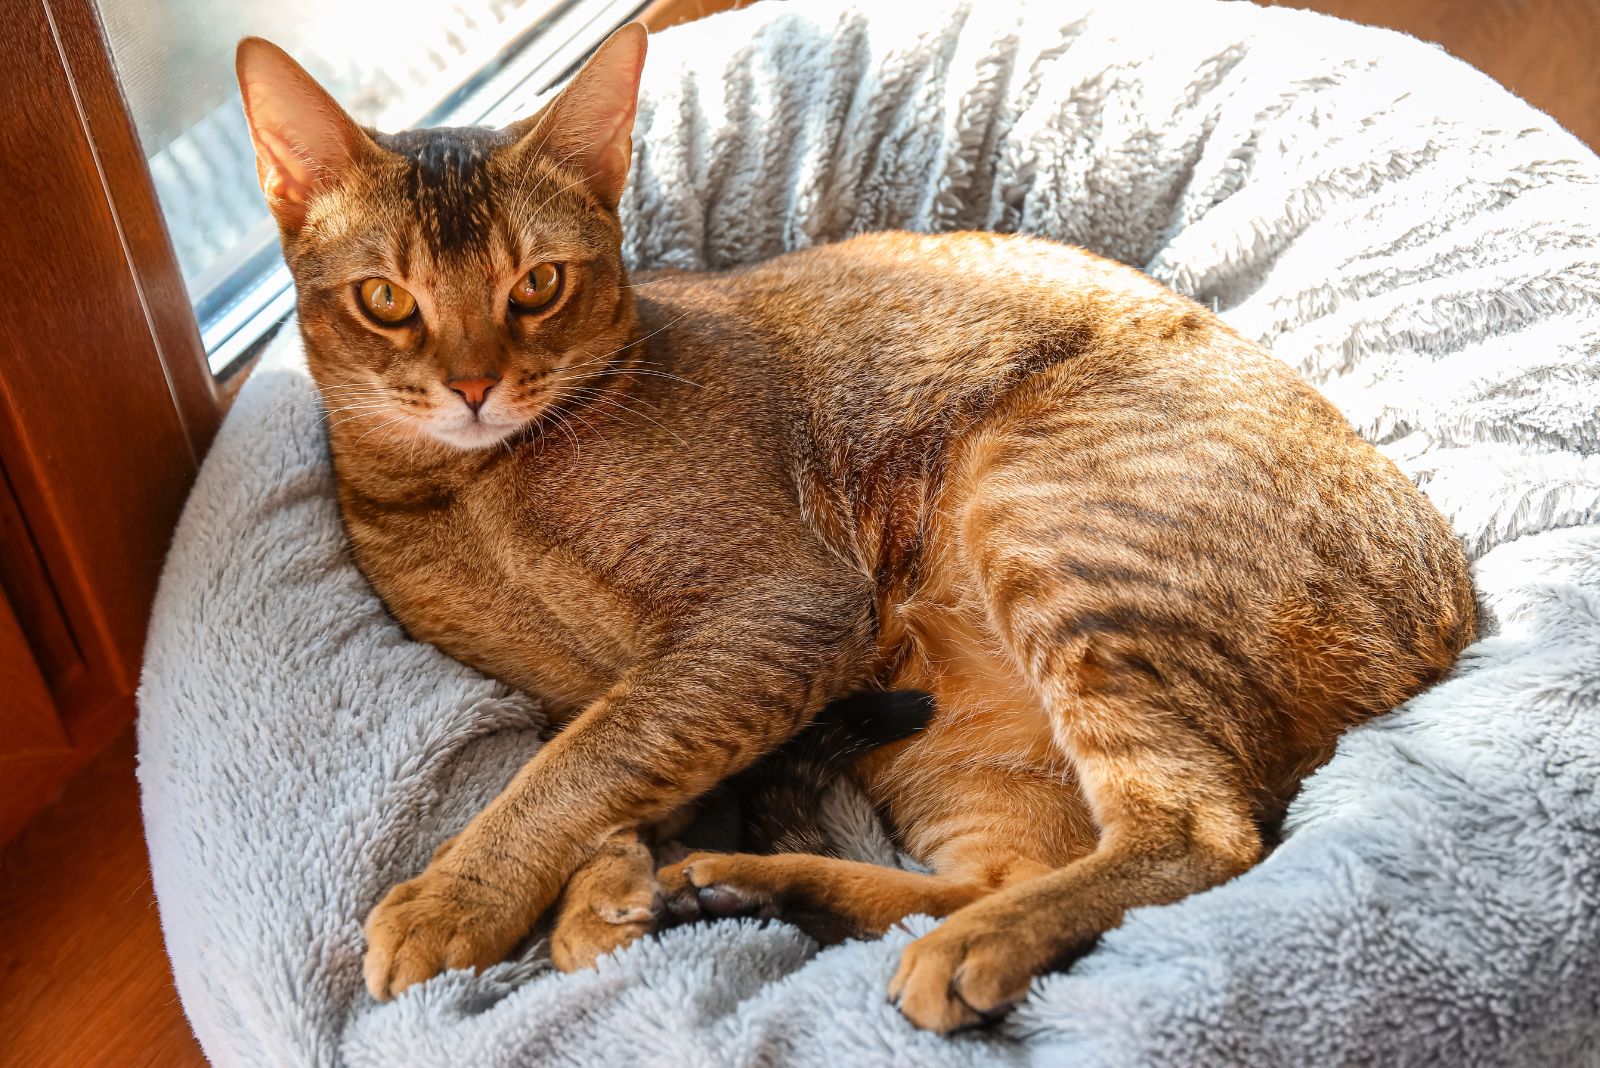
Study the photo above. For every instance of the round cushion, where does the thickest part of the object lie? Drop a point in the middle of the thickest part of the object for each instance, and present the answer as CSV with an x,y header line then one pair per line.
x,y
1414,239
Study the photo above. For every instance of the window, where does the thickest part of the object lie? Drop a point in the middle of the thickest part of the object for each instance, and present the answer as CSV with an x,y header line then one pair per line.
x,y
416,62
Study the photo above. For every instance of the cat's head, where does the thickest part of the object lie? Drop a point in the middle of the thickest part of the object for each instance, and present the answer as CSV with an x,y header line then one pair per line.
x,y
452,283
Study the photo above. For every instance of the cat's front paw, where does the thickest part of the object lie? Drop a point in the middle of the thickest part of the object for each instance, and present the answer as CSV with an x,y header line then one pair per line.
x,y
437,921
583,935
610,902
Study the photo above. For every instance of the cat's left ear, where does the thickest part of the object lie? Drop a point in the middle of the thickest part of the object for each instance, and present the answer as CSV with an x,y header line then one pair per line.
x,y
590,123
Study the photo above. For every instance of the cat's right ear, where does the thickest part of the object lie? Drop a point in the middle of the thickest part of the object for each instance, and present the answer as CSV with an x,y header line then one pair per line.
x,y
304,140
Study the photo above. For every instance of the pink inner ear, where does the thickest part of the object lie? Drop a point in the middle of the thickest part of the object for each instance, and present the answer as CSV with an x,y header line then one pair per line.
x,y
591,122
285,176
302,137
611,125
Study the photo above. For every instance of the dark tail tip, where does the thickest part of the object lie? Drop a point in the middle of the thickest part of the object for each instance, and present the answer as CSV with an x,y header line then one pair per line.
x,y
869,719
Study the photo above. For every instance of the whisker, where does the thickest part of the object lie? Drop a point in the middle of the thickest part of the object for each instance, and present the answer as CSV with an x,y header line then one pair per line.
x,y
646,337
597,396
305,395
382,426
360,413
636,371
636,360
577,448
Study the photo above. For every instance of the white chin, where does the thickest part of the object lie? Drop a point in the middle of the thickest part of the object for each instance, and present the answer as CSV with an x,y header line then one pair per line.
x,y
477,435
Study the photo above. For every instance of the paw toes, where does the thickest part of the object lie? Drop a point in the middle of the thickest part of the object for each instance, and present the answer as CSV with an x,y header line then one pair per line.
x,y
989,988
577,944
946,981
921,990
423,926
714,885
680,890
720,901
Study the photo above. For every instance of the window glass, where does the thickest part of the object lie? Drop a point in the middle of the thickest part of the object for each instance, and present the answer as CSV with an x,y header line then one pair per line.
x,y
393,65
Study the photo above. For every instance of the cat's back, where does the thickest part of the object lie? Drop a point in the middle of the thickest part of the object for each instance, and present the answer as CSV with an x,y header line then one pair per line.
x,y
952,279
913,302
887,330
899,351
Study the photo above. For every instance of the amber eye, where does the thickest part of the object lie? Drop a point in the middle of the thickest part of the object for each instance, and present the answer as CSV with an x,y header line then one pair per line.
x,y
387,302
537,288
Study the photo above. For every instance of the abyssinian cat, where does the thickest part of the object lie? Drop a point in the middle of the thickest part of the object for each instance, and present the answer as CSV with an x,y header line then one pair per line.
x,y
1148,573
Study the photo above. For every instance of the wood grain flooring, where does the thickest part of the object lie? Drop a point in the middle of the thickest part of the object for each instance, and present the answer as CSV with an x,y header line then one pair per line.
x,y
1545,51
84,981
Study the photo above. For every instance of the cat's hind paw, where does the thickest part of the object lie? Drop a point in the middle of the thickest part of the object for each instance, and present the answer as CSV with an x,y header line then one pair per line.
x,y
714,886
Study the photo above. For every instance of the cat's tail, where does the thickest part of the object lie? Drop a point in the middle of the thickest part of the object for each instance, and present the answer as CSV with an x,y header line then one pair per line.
x,y
780,795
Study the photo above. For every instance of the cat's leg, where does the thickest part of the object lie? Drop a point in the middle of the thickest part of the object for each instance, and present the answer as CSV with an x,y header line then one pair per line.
x,y
828,898
736,680
979,827
1148,690
609,902
1172,825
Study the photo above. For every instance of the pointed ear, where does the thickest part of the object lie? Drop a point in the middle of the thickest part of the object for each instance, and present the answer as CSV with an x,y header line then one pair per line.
x,y
304,140
590,123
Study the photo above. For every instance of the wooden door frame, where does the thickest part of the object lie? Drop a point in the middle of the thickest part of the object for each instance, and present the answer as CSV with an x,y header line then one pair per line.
x,y
107,404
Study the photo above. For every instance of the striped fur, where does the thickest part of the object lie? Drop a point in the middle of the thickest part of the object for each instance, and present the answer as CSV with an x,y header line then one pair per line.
x,y
1147,572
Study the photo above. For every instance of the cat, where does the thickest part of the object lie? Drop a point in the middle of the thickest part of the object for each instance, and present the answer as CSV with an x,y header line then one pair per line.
x,y
1148,573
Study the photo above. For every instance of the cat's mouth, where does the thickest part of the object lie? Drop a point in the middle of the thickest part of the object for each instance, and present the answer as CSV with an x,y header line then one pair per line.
x,y
490,425
475,432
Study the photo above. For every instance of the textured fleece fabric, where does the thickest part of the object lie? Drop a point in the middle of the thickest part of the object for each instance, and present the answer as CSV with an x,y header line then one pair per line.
x,y
1418,242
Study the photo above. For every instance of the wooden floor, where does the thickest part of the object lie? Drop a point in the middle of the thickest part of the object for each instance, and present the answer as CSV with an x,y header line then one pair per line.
x,y
84,980
1545,51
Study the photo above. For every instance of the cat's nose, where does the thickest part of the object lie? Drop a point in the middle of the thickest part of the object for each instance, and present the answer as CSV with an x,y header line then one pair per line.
x,y
472,390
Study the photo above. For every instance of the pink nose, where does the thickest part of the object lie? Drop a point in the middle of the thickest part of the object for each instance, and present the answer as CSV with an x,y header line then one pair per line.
x,y
472,390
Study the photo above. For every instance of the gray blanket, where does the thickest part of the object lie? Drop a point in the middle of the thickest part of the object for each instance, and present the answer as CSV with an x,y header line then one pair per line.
x,y
1418,242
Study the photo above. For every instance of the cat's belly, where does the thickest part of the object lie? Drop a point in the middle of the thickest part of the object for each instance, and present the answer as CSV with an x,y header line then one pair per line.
x,y
986,710
990,752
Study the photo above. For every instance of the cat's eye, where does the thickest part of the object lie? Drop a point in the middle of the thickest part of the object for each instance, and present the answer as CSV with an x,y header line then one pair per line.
x,y
387,302
537,288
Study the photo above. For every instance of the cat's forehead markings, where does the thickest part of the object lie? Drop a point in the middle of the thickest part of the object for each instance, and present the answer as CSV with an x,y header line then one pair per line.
x,y
448,184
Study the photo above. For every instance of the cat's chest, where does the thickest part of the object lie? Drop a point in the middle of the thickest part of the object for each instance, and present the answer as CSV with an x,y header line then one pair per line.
x,y
483,584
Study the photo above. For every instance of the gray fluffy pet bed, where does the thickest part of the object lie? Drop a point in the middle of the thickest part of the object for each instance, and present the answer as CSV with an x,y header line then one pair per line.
x,y
1422,245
